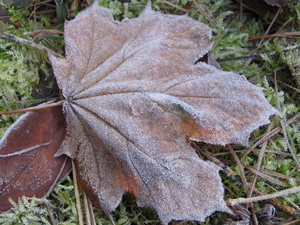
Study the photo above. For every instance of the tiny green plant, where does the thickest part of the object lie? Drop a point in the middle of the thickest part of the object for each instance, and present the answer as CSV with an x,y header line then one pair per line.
x,y
25,211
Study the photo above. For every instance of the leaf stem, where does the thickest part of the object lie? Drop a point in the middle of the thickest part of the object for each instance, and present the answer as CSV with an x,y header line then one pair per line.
x,y
33,108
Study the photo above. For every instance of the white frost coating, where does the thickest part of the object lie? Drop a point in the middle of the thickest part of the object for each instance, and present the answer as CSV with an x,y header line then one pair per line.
x,y
25,150
172,104
135,103
14,126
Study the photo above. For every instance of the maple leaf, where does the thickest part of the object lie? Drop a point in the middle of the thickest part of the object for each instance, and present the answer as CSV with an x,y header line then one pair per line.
x,y
135,98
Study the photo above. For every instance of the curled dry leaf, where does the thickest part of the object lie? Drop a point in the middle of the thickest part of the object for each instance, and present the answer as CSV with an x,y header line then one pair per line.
x,y
135,98
28,166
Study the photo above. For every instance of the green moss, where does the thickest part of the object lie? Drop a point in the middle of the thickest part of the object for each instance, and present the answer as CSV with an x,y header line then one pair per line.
x,y
19,64
18,76
27,212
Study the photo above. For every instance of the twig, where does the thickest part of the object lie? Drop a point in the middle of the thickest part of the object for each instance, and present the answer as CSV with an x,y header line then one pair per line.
x,y
175,6
271,24
86,209
30,43
282,124
266,177
38,32
275,35
282,176
270,134
229,172
295,222
239,181
78,205
91,212
259,161
205,14
296,89
256,55
279,204
245,183
231,202
111,219
57,177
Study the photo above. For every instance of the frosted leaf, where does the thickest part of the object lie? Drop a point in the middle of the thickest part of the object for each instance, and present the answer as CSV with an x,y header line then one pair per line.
x,y
27,163
135,98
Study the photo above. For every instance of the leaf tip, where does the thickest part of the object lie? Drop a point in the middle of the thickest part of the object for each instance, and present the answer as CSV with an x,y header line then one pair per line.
x,y
148,6
147,10
96,3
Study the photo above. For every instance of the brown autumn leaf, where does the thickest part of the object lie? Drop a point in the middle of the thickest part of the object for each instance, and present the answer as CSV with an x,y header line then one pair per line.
x,y
29,167
136,98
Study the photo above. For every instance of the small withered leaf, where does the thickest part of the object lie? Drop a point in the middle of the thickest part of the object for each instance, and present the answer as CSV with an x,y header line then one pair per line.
x,y
28,166
136,96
